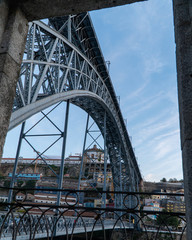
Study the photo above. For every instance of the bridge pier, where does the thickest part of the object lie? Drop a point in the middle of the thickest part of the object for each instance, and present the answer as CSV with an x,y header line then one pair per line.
x,y
183,38
13,33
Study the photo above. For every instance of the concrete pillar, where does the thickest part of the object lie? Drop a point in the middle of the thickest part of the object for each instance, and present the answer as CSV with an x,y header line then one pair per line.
x,y
183,39
13,32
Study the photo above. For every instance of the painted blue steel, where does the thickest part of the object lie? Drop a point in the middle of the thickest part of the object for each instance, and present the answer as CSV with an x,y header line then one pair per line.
x,y
62,64
83,152
33,176
60,183
14,176
105,164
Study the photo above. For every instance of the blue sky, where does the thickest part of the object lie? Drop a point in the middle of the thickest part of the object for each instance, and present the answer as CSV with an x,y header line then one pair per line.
x,y
138,40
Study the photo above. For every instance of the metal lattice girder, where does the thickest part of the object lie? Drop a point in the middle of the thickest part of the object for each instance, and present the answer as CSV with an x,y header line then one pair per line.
x,y
63,61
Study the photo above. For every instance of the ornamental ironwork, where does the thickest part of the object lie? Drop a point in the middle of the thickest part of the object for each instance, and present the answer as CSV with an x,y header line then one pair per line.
x,y
25,218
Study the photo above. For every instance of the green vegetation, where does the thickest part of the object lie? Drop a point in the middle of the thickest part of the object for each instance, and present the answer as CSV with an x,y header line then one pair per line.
x,y
86,172
168,220
2,176
66,168
171,180
20,183
55,168
7,183
163,180
30,184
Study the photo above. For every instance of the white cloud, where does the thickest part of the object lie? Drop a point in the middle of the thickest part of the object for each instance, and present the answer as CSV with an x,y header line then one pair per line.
x,y
150,177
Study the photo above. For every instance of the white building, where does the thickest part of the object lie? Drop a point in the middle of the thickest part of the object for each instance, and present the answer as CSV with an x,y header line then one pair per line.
x,y
94,154
51,160
50,198
152,206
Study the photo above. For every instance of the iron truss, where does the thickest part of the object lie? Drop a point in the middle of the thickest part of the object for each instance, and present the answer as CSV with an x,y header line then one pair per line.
x,y
63,61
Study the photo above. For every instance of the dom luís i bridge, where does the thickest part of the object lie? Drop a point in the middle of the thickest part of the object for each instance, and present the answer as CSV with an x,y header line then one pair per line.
x,y
63,64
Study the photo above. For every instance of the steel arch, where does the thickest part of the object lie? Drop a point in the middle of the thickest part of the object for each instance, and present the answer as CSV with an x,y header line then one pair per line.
x,y
63,61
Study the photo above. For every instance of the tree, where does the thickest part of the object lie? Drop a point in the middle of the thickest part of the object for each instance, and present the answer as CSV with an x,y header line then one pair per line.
x,y
20,183
167,220
30,184
174,221
7,183
163,180
175,180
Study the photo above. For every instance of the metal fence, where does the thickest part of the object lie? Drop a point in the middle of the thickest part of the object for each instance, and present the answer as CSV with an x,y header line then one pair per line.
x,y
82,215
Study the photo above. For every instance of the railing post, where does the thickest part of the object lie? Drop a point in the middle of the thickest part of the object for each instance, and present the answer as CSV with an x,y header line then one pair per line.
x,y
16,163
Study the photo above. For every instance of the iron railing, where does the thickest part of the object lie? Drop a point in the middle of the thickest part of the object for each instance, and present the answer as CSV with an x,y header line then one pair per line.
x,y
78,217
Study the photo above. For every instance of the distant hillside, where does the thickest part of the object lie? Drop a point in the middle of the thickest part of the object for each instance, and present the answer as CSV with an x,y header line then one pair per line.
x,y
152,186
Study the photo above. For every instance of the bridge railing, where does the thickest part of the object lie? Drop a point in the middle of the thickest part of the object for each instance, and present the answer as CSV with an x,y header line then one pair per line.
x,y
33,214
